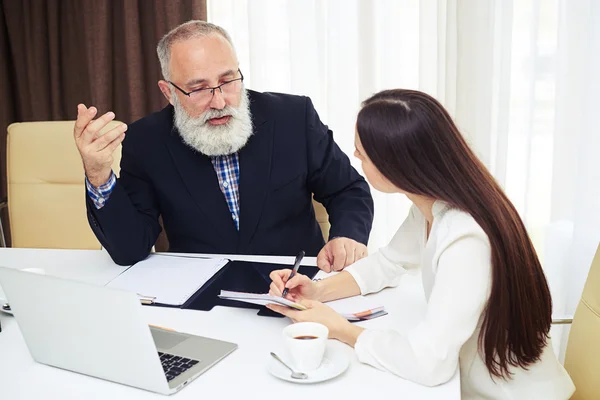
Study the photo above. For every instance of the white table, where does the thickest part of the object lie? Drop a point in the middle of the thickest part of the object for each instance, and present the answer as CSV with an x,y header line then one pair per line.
x,y
241,375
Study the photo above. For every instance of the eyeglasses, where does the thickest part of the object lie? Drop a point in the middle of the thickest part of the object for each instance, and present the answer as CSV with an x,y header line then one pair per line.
x,y
203,95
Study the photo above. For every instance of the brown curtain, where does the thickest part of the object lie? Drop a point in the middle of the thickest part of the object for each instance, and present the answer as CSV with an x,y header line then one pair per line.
x,y
55,54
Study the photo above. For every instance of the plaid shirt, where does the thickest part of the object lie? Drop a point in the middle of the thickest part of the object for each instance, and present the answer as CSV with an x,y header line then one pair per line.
x,y
228,173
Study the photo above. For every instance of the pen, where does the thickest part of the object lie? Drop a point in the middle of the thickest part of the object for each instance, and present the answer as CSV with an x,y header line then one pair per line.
x,y
299,258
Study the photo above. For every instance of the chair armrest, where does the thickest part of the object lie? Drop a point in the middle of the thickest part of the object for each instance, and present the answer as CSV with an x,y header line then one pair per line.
x,y
562,320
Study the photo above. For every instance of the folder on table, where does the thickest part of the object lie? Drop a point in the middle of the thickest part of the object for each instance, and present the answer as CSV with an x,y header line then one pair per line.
x,y
168,280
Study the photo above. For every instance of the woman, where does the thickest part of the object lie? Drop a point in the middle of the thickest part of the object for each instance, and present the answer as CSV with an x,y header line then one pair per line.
x,y
489,306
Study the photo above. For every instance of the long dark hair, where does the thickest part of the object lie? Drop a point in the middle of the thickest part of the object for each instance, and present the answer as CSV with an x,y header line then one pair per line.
x,y
414,143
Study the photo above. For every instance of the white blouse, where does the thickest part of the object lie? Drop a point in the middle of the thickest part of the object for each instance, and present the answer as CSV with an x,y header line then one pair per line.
x,y
456,269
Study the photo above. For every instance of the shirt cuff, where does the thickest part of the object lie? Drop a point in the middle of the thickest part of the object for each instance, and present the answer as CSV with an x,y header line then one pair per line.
x,y
100,195
362,348
352,270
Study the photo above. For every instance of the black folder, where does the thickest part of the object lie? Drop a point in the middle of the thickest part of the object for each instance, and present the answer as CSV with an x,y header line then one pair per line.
x,y
238,276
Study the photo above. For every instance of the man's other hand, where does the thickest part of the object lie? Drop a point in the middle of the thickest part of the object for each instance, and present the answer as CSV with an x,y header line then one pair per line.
x,y
340,252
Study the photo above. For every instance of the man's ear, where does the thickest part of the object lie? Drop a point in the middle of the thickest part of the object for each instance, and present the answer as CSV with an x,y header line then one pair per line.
x,y
166,90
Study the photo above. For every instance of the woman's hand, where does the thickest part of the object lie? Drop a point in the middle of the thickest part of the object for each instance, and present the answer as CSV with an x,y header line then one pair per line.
x,y
300,287
339,327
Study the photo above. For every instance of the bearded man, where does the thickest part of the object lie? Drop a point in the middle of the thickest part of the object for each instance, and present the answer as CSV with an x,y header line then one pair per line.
x,y
230,170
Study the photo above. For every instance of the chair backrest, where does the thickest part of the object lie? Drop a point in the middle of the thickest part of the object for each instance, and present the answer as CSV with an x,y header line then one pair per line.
x,y
582,358
46,186
322,218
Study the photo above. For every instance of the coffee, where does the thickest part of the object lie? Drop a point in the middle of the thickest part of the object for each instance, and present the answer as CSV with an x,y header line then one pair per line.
x,y
305,337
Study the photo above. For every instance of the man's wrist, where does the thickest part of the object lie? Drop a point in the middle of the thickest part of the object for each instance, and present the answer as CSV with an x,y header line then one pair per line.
x,y
98,180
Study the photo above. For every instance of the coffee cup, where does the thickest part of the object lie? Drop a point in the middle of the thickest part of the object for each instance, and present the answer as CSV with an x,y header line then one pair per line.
x,y
305,344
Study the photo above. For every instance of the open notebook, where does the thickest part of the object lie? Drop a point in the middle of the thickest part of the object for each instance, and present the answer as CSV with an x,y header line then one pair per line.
x,y
357,308
167,280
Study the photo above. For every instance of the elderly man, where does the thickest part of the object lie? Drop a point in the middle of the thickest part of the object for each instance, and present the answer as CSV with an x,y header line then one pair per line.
x,y
229,170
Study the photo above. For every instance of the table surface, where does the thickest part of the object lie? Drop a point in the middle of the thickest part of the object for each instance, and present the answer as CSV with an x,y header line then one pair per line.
x,y
242,374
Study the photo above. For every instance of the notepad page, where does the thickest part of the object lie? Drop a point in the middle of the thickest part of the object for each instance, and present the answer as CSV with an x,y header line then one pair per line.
x,y
260,299
171,280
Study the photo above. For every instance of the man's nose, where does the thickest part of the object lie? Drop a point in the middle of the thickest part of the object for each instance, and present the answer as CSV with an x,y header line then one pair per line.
x,y
217,101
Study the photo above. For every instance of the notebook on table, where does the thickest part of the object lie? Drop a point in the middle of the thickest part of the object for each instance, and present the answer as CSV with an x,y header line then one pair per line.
x,y
357,308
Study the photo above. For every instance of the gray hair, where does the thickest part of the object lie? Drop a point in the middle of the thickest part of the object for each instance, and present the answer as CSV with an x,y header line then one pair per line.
x,y
188,30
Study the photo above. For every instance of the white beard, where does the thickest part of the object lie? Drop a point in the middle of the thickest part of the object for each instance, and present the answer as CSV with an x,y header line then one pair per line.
x,y
215,140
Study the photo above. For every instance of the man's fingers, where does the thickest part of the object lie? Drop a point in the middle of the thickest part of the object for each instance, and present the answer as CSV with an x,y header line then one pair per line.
x,y
92,131
115,143
84,116
339,255
109,137
323,260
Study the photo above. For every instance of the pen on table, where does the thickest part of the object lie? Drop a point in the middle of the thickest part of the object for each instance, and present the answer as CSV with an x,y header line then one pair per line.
x,y
299,258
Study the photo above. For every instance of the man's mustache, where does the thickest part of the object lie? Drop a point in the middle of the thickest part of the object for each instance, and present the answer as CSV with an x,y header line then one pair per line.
x,y
211,114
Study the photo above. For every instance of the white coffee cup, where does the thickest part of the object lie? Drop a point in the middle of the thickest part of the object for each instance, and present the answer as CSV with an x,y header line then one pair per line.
x,y
305,344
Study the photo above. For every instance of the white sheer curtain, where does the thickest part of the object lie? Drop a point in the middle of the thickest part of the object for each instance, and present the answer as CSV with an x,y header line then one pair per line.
x,y
519,78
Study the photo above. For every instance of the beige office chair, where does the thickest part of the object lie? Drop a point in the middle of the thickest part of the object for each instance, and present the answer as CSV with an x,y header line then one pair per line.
x,y
582,358
46,188
46,202
322,218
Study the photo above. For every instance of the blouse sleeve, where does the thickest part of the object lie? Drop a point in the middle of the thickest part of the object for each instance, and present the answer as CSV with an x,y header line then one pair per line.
x,y
429,353
385,267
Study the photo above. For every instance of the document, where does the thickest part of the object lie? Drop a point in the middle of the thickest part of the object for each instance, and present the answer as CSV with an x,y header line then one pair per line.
x,y
168,280
356,308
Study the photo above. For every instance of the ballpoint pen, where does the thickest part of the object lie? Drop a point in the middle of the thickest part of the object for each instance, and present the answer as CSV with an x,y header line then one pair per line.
x,y
299,258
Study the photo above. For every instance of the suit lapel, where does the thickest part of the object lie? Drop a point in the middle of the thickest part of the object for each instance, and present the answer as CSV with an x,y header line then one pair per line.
x,y
255,172
199,177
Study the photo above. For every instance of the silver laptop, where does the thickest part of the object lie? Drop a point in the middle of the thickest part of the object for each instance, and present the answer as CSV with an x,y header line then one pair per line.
x,y
99,331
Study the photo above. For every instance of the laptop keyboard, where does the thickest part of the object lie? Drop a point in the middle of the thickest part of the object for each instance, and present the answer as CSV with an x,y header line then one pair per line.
x,y
175,365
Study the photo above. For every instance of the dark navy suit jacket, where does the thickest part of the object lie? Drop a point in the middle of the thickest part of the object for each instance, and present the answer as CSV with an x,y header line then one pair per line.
x,y
290,156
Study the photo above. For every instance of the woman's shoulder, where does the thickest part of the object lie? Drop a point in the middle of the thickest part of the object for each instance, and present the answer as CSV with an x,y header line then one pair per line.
x,y
454,223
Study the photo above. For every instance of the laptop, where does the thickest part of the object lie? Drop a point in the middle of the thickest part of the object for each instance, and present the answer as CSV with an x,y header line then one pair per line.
x,y
100,332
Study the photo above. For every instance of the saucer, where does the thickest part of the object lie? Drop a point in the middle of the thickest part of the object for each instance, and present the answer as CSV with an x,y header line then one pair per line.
x,y
335,362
